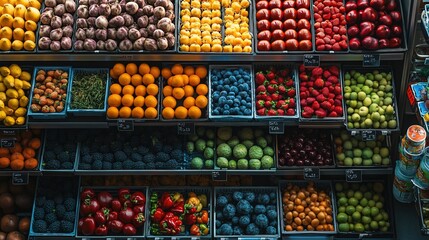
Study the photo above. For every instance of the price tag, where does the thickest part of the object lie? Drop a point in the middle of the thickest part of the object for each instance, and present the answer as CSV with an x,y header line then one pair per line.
x,y
311,60
275,127
125,125
368,135
219,175
353,175
371,60
9,132
127,57
20,178
7,143
185,128
311,173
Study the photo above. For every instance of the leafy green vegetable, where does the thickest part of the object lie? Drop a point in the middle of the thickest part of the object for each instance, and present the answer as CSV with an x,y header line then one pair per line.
x,y
88,90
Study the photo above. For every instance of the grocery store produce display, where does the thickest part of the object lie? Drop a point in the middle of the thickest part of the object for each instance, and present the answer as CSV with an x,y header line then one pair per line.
x,y
304,148
244,148
362,207
200,148
118,212
24,155
355,151
59,151
369,99
14,92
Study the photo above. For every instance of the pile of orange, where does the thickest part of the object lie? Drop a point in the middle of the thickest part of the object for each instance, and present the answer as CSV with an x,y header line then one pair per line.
x,y
184,92
134,91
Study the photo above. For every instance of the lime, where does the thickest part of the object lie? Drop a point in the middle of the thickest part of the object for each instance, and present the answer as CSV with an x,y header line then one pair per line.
x,y
363,202
356,216
358,195
366,219
350,193
371,203
374,225
375,211
353,201
366,211
378,217
359,227
342,209
379,205
343,227
385,216
342,218
350,210
342,201
359,208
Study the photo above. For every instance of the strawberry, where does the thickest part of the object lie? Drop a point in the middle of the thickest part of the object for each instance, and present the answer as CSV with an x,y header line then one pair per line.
x,y
318,71
326,74
272,88
271,75
320,98
315,105
332,79
320,113
337,102
339,97
306,114
303,102
328,84
261,89
268,98
275,96
303,89
292,103
325,91
260,104
331,101
331,95
310,84
319,83
303,77
326,105
261,96
272,112
310,100
290,112
337,90
289,83
280,103
303,95
281,89
309,110
302,68
268,104
283,73
285,106
291,93
314,93
280,112
339,110
260,78
332,114
334,70
261,112
280,80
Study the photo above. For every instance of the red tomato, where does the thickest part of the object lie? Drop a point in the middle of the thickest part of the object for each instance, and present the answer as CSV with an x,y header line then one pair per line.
x,y
291,34
289,24
278,34
303,23
290,13
304,34
305,45
263,25
303,13
263,4
278,45
264,45
264,35
292,45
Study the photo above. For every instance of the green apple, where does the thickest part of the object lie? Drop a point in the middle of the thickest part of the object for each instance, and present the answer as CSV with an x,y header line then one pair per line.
x,y
348,161
353,95
373,107
378,77
347,89
387,100
350,110
363,111
357,152
376,125
355,117
389,110
369,83
347,76
357,161
366,89
341,156
361,79
383,124
375,116
367,101
347,82
392,124
359,104
375,98
389,88
353,103
361,95
347,95
368,122
376,158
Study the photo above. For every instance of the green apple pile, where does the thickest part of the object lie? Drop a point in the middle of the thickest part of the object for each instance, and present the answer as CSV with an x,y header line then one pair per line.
x,y
369,99
361,207
353,151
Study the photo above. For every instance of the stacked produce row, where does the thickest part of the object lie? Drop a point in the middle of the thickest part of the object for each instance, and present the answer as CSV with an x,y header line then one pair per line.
x,y
294,207
201,26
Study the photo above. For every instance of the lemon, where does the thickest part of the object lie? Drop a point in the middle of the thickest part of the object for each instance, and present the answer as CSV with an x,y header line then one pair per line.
x,y
26,85
3,96
20,120
25,76
18,84
1,104
9,111
23,101
4,71
9,81
20,112
9,121
13,103
20,93
15,70
2,115
2,87
12,93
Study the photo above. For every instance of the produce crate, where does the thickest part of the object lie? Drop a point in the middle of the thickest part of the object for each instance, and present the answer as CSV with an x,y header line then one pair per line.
x,y
260,67
311,30
55,115
394,103
251,91
255,190
402,48
193,140
163,83
185,234
316,133
89,112
49,142
319,185
388,207
113,190
46,185
325,119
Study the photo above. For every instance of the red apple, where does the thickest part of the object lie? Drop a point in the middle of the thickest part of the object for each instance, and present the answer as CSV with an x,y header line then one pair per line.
x,y
291,34
290,13
289,24
391,5
263,14
353,31
382,31
396,31
396,16
276,14
383,43
304,34
351,5
386,20
395,42
264,35
354,43
264,45
262,4
263,25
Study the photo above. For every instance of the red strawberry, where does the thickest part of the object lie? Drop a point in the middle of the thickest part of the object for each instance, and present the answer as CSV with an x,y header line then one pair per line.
x,y
292,102
289,83
320,113
320,98
260,78
326,74
331,101
271,75
261,96
310,84
339,110
319,83
280,103
309,110
325,91
280,112
260,104
337,102
306,114
315,105
261,89
303,102
261,112
314,93
303,95
272,112
275,96
331,95
280,80
291,93
318,71
326,105
339,97
328,84
333,114
331,88
268,104
272,88
310,100
333,79
290,112
337,90
282,89
284,73
334,70
285,106
268,98
302,68
303,77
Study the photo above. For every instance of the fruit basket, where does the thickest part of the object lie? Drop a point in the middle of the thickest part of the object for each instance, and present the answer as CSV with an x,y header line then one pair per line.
x,y
59,152
325,102
267,43
217,96
398,42
48,111
129,203
200,149
187,209
91,89
374,189
310,223
299,148
55,213
240,200
354,151
283,91
244,149
185,90
389,107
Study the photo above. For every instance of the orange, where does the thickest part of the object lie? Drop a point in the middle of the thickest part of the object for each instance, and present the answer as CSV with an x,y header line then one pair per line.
x,y
139,101
194,80
136,80
129,89
112,112
181,112
118,69
115,88
166,73
177,69
140,90
189,70
152,89
167,91
127,100
151,113
202,89
137,112
194,112
201,71
125,112
114,100
178,93
168,113
169,101
131,68
189,102
201,101
150,101
148,79
154,70
144,69
124,79
177,81
170,81
185,79
189,91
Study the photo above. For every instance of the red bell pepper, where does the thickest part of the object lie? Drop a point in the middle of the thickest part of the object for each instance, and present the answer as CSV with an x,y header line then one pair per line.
x,y
88,226
167,201
116,205
124,194
138,209
115,226
178,208
138,220
87,193
157,215
190,219
101,216
129,230
112,215
138,198
126,215
195,230
104,198
171,224
101,230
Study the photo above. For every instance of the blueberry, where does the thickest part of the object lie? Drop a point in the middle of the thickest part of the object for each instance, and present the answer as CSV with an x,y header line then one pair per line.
x,y
226,81
237,71
223,93
216,112
226,107
221,82
233,78
237,101
248,99
229,102
234,89
248,105
230,97
248,112
219,88
241,81
226,112
243,102
231,93
227,88
242,108
236,105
